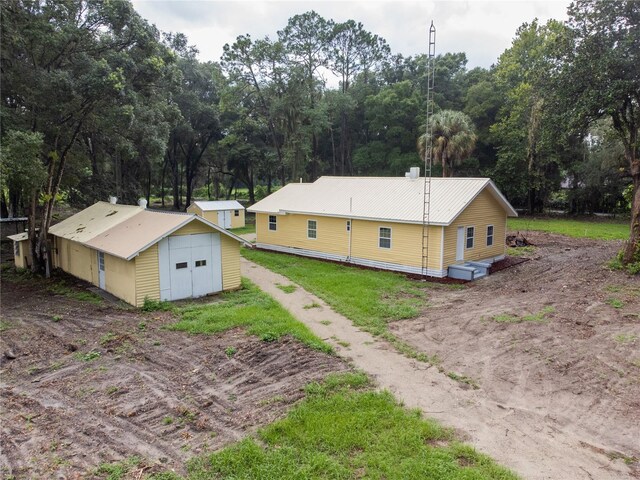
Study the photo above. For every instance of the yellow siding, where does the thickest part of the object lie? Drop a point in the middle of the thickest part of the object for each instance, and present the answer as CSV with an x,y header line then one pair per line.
x,y
406,243
23,251
333,238
193,227
211,216
119,278
77,260
237,222
230,250
147,276
332,235
193,208
483,211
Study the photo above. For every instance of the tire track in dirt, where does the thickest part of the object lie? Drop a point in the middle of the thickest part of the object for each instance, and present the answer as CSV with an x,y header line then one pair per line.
x,y
161,395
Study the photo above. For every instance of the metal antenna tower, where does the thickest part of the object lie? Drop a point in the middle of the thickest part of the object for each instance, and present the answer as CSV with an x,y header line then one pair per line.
x,y
428,150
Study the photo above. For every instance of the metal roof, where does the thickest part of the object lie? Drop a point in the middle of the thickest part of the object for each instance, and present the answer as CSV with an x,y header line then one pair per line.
x,y
92,221
19,237
393,199
209,206
129,231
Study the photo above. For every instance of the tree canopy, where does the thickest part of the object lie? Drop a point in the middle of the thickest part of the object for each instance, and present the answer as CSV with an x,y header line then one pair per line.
x,y
97,102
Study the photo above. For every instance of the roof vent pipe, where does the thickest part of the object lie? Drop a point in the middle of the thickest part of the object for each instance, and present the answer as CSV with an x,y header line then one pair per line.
x,y
142,202
113,200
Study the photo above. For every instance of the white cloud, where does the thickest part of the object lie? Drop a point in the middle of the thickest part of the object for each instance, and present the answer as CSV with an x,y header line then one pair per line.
x,y
481,29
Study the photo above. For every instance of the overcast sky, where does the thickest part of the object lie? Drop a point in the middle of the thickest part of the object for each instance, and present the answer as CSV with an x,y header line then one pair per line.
x,y
481,29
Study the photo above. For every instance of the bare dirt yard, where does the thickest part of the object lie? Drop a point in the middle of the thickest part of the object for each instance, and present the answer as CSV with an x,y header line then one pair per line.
x,y
554,340
82,384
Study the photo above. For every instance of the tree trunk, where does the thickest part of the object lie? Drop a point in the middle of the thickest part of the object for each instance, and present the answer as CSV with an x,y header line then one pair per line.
x,y
632,248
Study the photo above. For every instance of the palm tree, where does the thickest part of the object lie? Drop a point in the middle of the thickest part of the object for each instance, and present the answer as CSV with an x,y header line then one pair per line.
x,y
453,139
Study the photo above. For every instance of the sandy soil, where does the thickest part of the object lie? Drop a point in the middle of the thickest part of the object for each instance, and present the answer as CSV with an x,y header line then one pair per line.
x,y
165,396
557,399
578,371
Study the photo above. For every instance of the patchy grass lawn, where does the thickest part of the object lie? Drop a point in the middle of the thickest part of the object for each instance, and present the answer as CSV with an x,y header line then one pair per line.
x,y
248,228
343,430
370,299
249,308
596,229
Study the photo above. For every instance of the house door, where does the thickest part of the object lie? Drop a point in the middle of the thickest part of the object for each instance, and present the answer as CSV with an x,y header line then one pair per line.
x,y
224,218
460,245
101,273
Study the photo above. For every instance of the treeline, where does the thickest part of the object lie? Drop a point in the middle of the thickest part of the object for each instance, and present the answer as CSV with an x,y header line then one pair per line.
x,y
97,102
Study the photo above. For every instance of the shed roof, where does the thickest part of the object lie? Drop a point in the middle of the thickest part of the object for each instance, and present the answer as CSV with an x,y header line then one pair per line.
x,y
19,237
393,199
93,220
210,206
129,231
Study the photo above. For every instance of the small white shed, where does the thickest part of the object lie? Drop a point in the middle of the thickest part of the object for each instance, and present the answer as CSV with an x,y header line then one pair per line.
x,y
224,213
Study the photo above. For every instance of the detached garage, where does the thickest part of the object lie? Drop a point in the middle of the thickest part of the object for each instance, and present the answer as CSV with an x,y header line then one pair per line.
x,y
135,253
224,213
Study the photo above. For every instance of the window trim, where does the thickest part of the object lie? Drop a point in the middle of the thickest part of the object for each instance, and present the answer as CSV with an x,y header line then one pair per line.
x,y
309,229
348,225
236,213
380,237
493,231
273,223
466,237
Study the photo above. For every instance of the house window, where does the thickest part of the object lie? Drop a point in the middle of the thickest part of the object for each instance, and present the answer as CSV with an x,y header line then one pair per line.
x,y
236,213
181,265
16,249
272,223
201,263
384,239
348,225
470,233
489,235
312,229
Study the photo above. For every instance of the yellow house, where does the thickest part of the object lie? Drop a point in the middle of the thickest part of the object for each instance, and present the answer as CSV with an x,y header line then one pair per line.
x,y
21,250
225,213
135,253
378,222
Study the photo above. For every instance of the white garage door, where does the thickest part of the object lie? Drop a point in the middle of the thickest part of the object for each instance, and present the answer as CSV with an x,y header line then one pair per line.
x,y
190,266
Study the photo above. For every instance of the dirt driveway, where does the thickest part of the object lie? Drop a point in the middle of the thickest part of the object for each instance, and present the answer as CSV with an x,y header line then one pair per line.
x,y
558,376
82,384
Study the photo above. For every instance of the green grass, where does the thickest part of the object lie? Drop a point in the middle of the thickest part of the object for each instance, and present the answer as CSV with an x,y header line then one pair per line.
x,y
250,308
343,430
596,229
626,337
248,228
287,288
370,299
540,317
521,251
4,326
615,302
61,288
